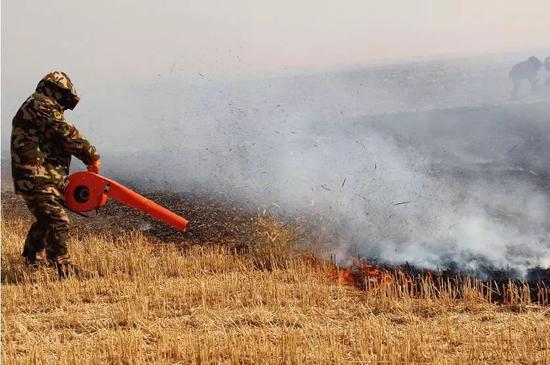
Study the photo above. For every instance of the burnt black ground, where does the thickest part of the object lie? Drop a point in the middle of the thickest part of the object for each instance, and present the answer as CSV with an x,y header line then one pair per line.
x,y
213,222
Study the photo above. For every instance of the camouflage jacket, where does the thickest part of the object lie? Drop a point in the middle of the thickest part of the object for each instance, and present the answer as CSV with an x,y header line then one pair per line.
x,y
42,143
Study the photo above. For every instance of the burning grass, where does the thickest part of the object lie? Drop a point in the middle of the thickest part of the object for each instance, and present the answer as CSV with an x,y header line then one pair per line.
x,y
143,301
395,282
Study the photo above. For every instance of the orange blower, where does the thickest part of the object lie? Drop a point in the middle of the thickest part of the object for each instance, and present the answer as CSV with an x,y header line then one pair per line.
x,y
87,191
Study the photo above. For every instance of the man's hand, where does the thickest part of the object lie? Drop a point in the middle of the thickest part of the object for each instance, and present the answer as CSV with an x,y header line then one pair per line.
x,y
94,167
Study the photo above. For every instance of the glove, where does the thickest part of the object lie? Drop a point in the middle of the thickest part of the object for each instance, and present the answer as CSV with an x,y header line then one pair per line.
x,y
94,166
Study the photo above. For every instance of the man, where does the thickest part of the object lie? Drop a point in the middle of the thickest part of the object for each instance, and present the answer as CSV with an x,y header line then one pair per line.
x,y
42,142
526,70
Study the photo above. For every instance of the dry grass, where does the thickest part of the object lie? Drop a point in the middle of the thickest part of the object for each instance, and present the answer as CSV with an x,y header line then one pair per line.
x,y
145,303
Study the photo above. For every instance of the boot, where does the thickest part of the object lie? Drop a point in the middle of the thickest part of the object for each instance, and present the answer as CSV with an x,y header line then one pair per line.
x,y
66,270
34,261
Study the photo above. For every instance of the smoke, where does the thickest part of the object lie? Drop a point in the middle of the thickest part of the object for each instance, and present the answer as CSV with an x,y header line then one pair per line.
x,y
421,163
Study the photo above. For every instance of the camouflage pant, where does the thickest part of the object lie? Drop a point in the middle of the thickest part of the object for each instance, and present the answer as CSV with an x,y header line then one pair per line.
x,y
51,229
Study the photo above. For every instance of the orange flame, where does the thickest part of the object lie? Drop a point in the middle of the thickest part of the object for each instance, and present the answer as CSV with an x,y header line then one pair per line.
x,y
361,275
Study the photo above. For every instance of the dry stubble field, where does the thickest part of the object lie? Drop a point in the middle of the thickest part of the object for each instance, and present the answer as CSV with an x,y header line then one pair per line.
x,y
145,302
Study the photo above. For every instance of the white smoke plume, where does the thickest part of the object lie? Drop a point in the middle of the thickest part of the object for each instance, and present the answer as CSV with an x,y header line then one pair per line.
x,y
421,163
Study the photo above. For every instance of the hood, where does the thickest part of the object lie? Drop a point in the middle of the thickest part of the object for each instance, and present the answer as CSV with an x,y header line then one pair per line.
x,y
58,86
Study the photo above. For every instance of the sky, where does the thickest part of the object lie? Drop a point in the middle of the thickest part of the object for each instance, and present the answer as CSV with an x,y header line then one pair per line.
x,y
129,39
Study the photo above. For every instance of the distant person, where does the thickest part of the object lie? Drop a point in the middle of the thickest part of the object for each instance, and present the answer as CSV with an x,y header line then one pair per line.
x,y
526,70
42,142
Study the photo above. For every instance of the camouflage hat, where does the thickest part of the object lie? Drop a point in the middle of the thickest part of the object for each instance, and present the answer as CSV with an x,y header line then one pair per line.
x,y
58,85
